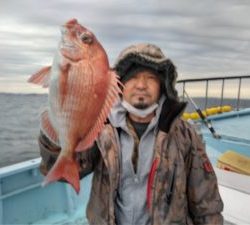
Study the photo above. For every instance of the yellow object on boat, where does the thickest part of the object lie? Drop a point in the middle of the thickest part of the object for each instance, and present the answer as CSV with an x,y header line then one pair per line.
x,y
194,116
226,108
207,112
211,111
219,109
234,162
204,113
186,116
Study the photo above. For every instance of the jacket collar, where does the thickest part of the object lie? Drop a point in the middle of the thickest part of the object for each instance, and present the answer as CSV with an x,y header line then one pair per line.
x,y
171,111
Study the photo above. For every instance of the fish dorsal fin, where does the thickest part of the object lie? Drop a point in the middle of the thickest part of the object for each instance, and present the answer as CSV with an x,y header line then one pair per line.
x,y
112,97
41,77
48,129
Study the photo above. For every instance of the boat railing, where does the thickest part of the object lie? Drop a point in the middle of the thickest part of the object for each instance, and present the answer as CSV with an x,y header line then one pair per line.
x,y
223,80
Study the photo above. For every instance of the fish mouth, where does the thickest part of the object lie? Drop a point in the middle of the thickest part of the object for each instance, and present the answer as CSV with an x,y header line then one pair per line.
x,y
68,44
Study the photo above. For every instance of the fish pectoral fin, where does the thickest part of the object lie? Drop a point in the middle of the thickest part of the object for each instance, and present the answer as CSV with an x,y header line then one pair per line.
x,y
41,77
47,128
67,169
111,98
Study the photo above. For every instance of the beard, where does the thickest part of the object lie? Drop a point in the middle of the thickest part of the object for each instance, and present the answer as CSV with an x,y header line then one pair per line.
x,y
141,104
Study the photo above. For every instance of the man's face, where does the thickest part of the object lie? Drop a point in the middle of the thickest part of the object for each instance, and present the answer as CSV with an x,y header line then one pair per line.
x,y
142,90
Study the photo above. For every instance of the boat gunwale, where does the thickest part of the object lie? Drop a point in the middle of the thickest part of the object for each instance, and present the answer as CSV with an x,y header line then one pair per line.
x,y
19,167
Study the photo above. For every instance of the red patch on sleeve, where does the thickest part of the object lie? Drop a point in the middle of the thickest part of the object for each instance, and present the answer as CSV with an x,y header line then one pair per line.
x,y
208,167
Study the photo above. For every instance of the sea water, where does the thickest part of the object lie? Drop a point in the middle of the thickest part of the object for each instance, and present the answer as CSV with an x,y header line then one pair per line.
x,y
19,124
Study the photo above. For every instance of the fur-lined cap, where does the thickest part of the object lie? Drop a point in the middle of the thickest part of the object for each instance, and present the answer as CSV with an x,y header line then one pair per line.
x,y
149,56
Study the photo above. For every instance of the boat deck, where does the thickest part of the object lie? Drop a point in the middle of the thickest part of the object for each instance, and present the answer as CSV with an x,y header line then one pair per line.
x,y
233,127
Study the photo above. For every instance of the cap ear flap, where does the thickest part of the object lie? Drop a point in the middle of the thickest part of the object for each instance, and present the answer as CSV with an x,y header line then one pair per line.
x,y
170,80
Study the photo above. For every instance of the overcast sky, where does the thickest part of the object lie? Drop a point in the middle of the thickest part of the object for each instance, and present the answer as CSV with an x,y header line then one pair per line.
x,y
203,38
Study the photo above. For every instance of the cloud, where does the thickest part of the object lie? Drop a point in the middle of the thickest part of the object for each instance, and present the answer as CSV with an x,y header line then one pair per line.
x,y
201,37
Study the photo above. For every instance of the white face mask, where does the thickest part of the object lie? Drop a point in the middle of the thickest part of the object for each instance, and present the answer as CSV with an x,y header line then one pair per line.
x,y
139,112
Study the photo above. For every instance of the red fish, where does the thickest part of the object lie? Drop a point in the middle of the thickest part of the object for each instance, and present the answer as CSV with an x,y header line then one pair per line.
x,y
82,90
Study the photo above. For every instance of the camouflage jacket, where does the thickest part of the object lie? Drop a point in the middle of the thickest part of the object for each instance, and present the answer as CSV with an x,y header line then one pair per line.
x,y
182,186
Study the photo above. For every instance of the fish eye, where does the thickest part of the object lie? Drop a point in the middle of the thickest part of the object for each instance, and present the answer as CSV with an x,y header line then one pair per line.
x,y
86,38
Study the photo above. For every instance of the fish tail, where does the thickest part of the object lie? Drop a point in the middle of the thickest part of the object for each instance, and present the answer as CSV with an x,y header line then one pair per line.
x,y
66,169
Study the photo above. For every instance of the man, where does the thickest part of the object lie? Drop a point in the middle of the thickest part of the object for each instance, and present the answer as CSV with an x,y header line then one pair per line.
x,y
150,167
